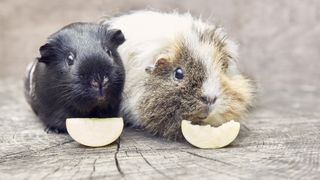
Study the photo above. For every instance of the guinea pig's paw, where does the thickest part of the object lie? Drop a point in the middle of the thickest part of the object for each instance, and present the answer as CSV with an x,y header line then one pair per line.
x,y
56,130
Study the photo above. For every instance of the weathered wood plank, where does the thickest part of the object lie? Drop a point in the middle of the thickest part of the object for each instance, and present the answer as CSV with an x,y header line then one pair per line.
x,y
269,147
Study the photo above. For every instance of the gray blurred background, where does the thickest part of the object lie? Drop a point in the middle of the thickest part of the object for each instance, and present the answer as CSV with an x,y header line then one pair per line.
x,y
279,40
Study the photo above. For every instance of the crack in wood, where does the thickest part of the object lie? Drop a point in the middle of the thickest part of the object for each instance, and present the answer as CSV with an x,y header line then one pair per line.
x,y
246,127
56,170
56,145
77,165
211,159
116,158
156,169
93,168
31,152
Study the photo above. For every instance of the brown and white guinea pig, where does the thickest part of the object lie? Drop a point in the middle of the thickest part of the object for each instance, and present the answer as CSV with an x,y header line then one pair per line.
x,y
79,74
179,67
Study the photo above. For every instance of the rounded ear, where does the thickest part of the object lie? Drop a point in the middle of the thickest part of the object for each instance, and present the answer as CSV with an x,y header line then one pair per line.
x,y
116,37
45,51
162,64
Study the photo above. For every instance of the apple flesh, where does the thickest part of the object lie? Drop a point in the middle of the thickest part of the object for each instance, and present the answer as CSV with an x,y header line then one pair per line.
x,y
94,132
208,136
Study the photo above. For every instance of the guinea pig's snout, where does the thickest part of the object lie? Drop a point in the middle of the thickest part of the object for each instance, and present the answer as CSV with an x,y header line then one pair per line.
x,y
95,84
99,84
208,100
207,106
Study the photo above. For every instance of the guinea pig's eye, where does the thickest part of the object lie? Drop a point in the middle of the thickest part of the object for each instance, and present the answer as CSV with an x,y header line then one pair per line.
x,y
178,74
70,59
109,52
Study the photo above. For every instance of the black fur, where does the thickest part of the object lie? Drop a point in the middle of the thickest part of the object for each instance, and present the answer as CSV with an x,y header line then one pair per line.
x,y
64,88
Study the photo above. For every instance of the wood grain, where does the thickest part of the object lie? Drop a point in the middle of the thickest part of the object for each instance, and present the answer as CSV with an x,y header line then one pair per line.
x,y
267,148
280,139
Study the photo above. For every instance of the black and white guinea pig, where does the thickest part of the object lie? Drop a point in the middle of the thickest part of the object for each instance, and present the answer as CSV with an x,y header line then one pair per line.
x,y
179,67
79,74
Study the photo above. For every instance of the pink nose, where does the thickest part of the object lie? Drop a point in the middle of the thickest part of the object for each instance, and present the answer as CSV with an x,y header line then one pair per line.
x,y
209,100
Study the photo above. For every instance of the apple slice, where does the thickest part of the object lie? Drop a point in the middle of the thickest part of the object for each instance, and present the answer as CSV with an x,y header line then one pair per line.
x,y
208,136
94,132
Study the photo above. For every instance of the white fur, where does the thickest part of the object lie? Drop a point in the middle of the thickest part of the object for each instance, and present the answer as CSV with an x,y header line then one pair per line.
x,y
30,71
148,34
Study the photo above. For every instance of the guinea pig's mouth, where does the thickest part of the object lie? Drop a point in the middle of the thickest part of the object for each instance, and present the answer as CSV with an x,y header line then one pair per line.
x,y
101,99
198,116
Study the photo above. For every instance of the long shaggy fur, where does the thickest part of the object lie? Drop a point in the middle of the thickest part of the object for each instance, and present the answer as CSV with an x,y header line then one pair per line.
x,y
156,102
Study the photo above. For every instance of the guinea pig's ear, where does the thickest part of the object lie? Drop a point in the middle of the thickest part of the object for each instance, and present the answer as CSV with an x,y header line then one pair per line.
x,y
162,64
45,51
116,37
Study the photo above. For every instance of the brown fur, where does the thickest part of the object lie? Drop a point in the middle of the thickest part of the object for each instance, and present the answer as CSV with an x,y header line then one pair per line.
x,y
238,94
167,102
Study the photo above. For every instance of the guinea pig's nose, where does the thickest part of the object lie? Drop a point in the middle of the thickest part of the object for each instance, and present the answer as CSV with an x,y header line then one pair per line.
x,y
95,84
208,100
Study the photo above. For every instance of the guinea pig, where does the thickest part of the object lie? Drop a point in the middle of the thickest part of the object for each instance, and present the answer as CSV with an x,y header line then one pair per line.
x,y
179,68
79,74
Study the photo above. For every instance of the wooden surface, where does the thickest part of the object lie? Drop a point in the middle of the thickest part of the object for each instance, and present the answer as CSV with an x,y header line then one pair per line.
x,y
279,140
